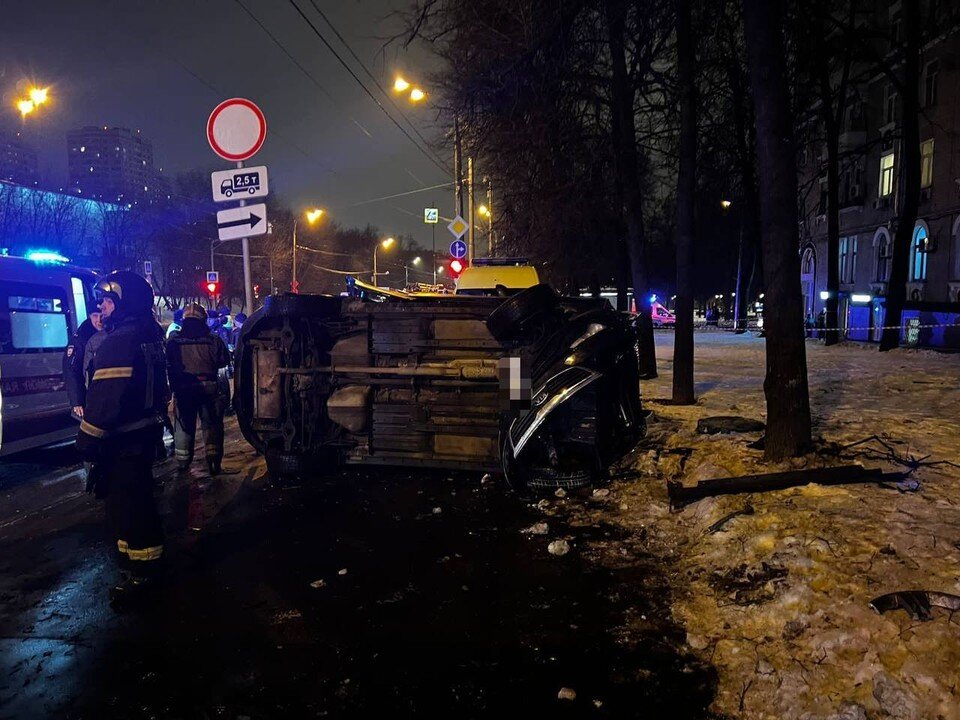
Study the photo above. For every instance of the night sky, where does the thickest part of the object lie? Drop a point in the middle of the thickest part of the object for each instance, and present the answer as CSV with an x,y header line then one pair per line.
x,y
162,66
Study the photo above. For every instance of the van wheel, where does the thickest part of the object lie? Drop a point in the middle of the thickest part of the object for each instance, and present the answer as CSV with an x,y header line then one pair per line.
x,y
509,320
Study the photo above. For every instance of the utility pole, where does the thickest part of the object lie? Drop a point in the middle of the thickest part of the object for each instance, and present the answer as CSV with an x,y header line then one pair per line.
x,y
294,285
433,258
470,205
457,169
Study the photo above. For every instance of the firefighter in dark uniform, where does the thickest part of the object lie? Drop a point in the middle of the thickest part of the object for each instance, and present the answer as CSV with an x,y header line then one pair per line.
x,y
122,424
194,357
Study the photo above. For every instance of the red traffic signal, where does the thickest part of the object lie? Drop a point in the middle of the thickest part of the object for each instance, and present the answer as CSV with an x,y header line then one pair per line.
x,y
213,288
456,267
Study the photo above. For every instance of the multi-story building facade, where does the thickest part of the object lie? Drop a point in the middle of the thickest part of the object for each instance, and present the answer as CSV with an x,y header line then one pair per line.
x,y
113,164
871,193
18,161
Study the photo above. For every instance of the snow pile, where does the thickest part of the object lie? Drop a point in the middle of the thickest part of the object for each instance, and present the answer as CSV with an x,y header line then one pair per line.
x,y
777,599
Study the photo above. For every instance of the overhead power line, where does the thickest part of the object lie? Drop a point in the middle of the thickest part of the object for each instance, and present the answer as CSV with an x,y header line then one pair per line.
x,y
347,67
403,194
368,73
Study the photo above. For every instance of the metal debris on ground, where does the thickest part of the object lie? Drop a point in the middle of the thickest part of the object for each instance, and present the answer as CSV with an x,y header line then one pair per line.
x,y
917,603
723,424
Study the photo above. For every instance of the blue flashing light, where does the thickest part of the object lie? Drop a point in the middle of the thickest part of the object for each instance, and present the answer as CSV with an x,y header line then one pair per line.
x,y
653,298
46,256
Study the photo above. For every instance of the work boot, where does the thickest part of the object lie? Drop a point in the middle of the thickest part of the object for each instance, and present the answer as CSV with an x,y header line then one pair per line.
x,y
214,467
132,591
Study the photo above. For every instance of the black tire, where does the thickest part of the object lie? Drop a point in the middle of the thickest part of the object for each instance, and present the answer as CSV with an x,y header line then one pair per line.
x,y
508,321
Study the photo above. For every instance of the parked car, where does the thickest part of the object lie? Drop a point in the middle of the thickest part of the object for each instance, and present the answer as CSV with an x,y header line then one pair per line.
x,y
42,303
387,378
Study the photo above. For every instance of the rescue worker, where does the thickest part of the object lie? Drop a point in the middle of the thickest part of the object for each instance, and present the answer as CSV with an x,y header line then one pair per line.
x,y
76,362
194,358
121,425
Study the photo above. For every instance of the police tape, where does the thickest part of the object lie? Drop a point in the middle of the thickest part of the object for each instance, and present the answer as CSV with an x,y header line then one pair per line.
x,y
906,326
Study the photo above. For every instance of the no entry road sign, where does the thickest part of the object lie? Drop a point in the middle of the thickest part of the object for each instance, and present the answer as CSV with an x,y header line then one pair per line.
x,y
236,129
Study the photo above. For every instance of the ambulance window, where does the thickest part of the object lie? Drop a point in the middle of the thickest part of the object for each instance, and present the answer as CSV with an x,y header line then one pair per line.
x,y
33,318
79,299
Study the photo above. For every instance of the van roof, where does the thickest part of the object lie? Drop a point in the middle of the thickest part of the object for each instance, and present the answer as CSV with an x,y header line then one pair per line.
x,y
10,262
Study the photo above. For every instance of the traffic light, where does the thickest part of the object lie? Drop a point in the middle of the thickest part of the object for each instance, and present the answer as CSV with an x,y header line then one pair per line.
x,y
213,288
457,266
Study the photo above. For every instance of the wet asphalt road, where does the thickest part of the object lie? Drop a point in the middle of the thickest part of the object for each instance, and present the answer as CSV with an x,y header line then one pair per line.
x,y
445,608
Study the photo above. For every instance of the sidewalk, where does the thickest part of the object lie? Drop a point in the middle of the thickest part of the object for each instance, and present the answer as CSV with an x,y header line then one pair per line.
x,y
777,600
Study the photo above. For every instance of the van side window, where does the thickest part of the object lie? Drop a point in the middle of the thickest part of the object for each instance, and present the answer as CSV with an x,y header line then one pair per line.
x,y
79,299
33,318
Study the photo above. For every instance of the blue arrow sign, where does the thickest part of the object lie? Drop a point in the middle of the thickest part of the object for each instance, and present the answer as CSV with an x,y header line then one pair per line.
x,y
458,248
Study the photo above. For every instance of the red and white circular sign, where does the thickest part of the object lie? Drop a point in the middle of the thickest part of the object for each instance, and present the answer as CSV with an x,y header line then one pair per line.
x,y
236,129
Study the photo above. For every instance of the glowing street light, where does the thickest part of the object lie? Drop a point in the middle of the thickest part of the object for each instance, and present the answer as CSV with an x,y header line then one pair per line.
x,y
312,216
38,96
725,204
25,107
416,95
400,85
385,244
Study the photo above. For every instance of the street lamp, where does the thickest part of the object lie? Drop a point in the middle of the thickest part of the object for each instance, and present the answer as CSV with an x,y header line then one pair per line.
x,y
25,107
38,96
725,204
406,271
400,85
385,244
416,95
312,216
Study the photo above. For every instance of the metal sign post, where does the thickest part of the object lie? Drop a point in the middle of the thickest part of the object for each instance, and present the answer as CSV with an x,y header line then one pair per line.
x,y
236,130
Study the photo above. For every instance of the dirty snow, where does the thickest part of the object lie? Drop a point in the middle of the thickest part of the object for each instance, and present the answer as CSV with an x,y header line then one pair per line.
x,y
777,600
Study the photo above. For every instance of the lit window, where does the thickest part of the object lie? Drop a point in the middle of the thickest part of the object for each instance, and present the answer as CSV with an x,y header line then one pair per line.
x,y
926,163
886,175
918,255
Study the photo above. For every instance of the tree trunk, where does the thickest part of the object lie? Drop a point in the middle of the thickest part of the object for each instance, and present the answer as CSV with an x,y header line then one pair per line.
x,y
785,385
683,388
625,149
832,319
910,177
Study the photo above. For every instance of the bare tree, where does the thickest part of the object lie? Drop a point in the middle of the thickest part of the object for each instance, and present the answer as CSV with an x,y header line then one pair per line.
x,y
683,387
785,385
